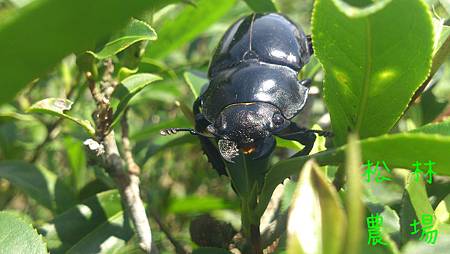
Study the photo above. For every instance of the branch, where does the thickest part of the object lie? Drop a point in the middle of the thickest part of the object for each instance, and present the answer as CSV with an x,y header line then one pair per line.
x,y
124,171
131,192
133,168
128,185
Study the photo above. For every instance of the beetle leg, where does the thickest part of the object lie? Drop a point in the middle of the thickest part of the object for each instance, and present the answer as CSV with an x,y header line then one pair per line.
x,y
305,82
305,136
310,46
211,151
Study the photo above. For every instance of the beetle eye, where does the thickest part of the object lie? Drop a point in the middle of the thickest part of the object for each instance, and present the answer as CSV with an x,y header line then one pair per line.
x,y
277,119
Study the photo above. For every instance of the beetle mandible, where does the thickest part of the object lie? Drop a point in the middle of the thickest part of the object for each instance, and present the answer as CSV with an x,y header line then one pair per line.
x,y
253,91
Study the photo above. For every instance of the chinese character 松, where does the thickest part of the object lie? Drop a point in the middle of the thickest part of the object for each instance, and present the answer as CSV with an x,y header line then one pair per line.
x,y
376,171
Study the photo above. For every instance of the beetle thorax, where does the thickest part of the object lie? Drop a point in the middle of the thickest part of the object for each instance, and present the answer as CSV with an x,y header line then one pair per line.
x,y
245,123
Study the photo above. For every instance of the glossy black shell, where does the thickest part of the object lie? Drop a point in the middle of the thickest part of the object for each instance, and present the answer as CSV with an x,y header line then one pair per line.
x,y
258,59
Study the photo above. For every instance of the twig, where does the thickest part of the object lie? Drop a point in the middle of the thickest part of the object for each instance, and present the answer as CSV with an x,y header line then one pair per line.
x,y
123,171
179,249
135,205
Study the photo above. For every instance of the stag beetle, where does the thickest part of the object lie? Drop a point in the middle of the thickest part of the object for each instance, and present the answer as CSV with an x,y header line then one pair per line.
x,y
253,91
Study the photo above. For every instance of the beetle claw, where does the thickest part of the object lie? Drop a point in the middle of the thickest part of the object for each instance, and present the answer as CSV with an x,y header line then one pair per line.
x,y
323,133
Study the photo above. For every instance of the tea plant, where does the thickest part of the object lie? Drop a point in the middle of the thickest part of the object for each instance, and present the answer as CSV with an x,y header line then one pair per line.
x,y
88,85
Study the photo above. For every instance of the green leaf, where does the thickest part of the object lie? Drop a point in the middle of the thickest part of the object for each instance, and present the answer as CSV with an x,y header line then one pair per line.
x,y
115,232
152,129
446,5
430,105
373,61
18,237
195,80
56,107
246,174
442,49
442,128
38,183
39,35
162,91
135,31
317,222
189,23
198,204
128,88
421,247
414,205
9,113
165,142
93,226
397,150
262,5
210,250
441,34
76,157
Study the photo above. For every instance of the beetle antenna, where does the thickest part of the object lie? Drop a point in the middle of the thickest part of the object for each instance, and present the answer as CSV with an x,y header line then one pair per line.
x,y
171,131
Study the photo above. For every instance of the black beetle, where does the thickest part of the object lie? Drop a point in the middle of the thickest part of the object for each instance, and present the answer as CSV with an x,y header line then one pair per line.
x,y
253,90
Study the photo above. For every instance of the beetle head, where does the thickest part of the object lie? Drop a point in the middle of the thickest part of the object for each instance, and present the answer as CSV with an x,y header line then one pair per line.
x,y
247,127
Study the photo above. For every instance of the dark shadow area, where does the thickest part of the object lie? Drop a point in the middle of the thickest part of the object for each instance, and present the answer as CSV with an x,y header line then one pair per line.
x,y
91,217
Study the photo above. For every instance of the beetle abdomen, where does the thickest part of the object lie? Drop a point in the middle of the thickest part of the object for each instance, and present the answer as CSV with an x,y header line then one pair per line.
x,y
270,38
253,81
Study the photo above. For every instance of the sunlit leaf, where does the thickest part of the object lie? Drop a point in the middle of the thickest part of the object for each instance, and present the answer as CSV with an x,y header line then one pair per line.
x,y
371,70
262,5
189,23
57,107
397,150
39,35
442,128
415,204
196,81
441,50
199,204
19,237
317,221
421,247
135,31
